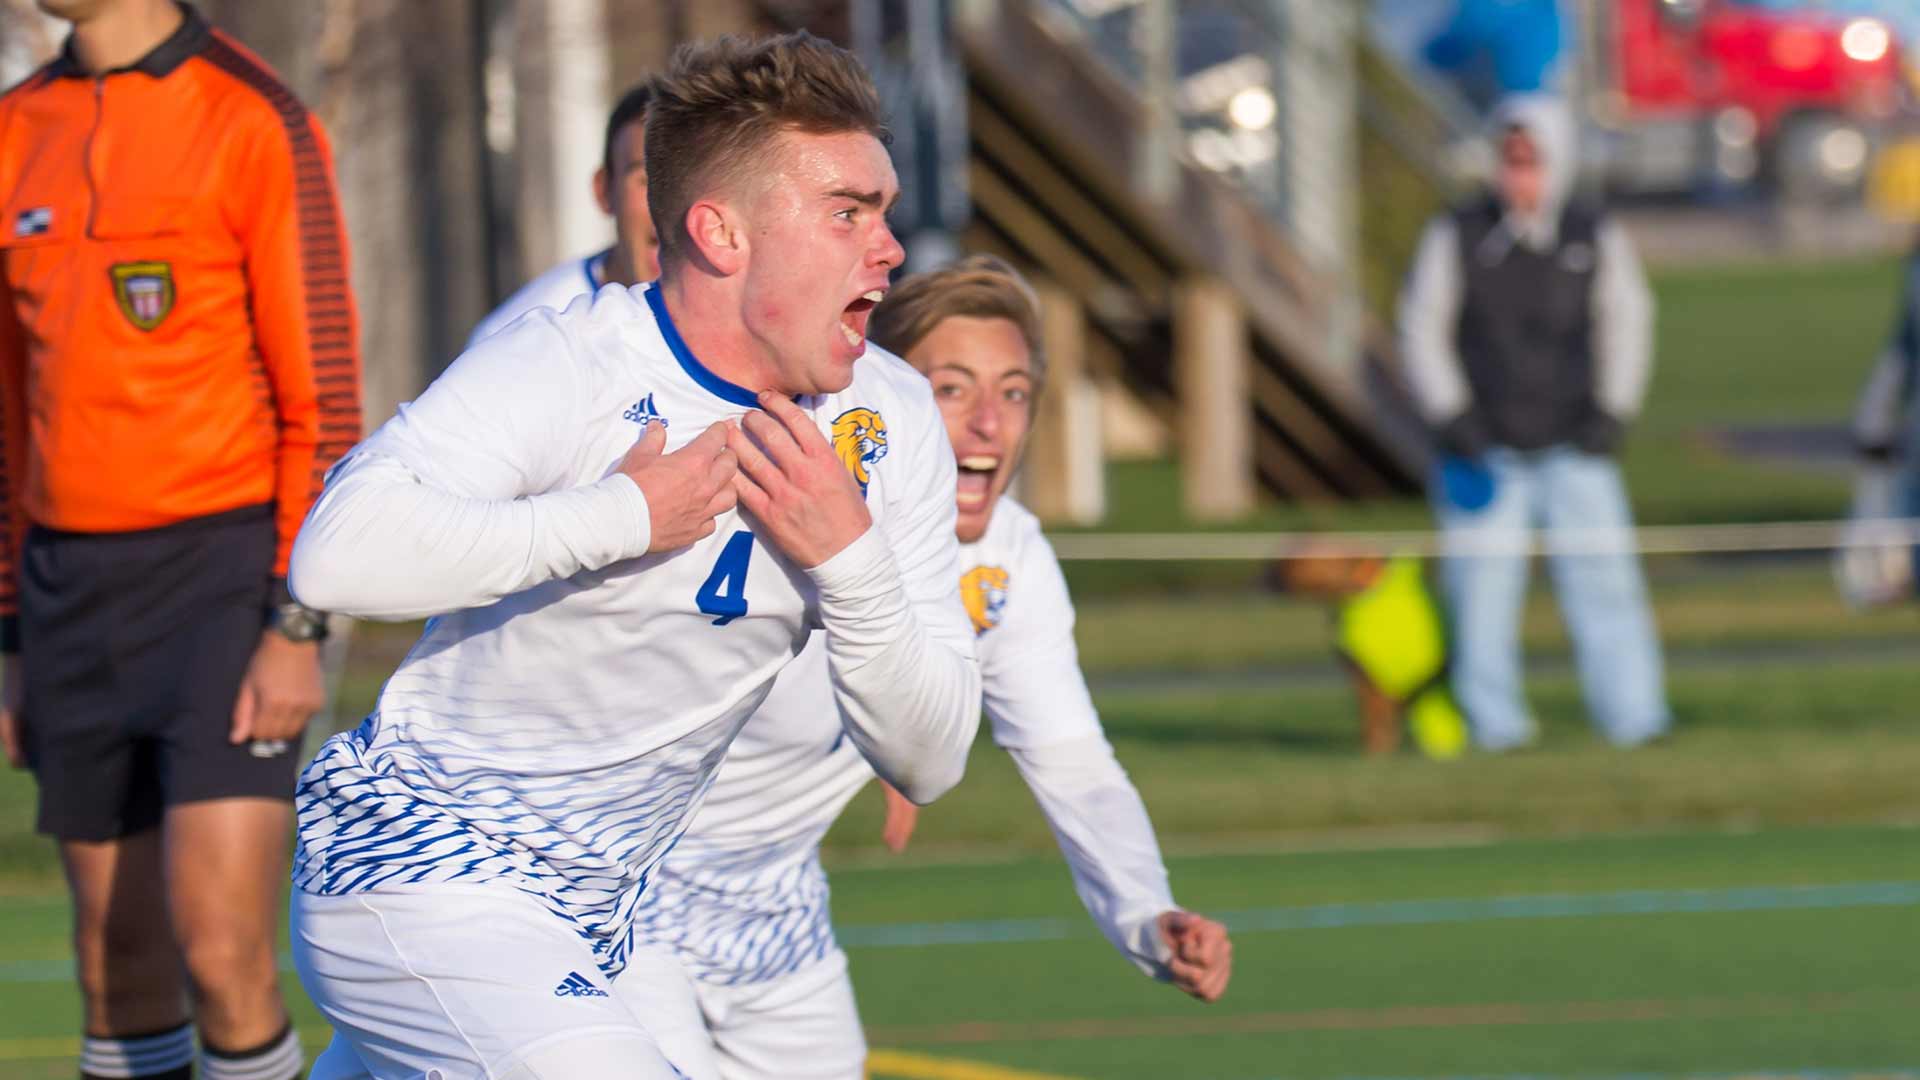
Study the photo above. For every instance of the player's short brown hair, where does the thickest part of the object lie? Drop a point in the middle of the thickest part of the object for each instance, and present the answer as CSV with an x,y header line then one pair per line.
x,y
723,102
983,286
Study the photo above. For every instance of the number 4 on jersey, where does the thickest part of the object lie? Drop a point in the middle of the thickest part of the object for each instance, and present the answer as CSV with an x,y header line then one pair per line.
x,y
725,591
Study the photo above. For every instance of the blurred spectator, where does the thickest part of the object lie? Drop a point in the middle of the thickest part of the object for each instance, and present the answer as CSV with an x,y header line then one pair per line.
x,y
1527,334
620,187
1494,48
178,346
1876,564
1885,410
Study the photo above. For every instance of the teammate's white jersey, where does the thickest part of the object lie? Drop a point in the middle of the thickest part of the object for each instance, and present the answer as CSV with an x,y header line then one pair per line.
x,y
567,706
554,289
743,898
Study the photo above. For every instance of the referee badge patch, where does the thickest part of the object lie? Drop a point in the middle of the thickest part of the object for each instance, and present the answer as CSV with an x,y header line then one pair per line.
x,y
145,292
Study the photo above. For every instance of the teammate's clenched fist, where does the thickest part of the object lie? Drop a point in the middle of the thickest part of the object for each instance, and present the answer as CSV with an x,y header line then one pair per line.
x,y
685,490
1202,954
790,480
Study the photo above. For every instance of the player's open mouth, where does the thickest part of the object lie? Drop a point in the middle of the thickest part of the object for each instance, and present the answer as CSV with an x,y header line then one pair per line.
x,y
853,320
976,480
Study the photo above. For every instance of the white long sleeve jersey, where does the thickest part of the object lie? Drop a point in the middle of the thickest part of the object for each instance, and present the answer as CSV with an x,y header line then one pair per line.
x,y
571,697
555,288
743,898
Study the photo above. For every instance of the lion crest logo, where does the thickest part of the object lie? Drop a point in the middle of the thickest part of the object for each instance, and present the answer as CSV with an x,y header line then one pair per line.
x,y
983,590
860,439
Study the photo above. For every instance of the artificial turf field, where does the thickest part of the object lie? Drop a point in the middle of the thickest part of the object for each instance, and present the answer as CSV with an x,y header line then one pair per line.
x,y
1789,951
1740,901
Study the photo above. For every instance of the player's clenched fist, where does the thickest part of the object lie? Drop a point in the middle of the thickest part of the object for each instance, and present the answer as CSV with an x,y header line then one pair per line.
x,y
1202,955
790,480
685,490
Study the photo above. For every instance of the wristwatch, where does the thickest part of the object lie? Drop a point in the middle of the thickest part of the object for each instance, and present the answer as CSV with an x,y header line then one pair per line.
x,y
298,623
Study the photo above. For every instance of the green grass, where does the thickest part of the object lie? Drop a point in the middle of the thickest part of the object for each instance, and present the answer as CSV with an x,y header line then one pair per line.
x,y
1667,993
1719,992
1754,747
1699,607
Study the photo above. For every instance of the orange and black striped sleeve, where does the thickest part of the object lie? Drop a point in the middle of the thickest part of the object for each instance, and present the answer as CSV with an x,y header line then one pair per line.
x,y
304,322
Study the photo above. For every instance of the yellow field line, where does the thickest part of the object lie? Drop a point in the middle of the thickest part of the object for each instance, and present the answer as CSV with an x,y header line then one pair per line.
x,y
901,1065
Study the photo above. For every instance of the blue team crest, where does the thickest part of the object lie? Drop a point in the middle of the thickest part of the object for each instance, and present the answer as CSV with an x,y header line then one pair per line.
x,y
983,591
860,441
643,413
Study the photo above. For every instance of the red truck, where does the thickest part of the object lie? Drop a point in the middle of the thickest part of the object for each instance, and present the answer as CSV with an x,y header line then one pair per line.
x,y
1723,93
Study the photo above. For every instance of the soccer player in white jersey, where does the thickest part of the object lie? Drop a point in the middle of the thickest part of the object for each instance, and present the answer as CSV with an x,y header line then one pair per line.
x,y
742,900
620,187
562,501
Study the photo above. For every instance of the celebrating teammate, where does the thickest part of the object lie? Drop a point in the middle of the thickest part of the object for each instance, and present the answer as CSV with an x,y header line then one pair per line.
x,y
743,899
620,187
563,501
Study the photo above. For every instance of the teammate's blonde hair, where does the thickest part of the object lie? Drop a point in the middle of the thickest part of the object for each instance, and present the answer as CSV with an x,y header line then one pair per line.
x,y
983,286
718,108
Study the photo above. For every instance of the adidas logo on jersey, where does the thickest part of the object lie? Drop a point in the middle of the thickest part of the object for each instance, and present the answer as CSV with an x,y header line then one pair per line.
x,y
576,985
643,413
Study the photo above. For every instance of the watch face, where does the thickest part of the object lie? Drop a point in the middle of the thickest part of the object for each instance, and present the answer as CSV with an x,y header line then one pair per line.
x,y
296,623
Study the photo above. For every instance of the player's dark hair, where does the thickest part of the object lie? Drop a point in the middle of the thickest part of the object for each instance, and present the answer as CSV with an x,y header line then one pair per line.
x,y
983,286
723,102
632,106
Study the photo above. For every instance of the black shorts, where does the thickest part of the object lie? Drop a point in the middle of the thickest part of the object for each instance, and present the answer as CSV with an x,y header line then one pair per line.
x,y
134,645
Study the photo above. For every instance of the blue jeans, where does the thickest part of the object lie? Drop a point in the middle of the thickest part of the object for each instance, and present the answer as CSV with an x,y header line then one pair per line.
x,y
1602,595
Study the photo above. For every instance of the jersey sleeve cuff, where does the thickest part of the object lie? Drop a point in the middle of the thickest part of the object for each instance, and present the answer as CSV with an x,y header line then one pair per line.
x,y
861,569
636,518
9,635
1150,950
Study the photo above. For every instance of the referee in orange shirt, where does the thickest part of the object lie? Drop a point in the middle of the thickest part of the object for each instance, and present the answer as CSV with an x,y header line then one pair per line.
x,y
178,369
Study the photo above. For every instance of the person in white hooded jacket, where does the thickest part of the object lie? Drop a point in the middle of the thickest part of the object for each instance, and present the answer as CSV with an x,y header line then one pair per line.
x,y
1526,331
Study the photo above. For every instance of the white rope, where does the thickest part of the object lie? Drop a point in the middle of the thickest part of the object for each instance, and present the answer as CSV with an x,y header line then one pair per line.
x,y
1648,540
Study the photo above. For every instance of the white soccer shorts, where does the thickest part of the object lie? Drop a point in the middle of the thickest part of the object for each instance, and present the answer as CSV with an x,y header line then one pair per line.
x,y
474,983
803,1026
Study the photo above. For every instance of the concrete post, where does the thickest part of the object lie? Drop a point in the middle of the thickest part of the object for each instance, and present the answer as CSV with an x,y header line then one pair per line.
x,y
1156,153
1212,382
1318,87
560,88
1064,479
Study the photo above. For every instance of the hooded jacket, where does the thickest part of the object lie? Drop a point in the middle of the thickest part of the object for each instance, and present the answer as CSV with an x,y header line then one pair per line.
x,y
1497,350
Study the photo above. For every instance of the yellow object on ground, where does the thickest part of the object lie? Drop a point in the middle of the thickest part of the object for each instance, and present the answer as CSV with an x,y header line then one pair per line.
x,y
1438,726
1394,631
1396,634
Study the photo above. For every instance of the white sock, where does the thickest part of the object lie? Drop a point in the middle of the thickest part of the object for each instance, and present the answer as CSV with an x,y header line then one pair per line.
x,y
146,1055
279,1059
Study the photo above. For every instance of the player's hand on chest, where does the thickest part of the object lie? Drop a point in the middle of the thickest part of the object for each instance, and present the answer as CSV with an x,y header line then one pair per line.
x,y
686,489
799,494
719,559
